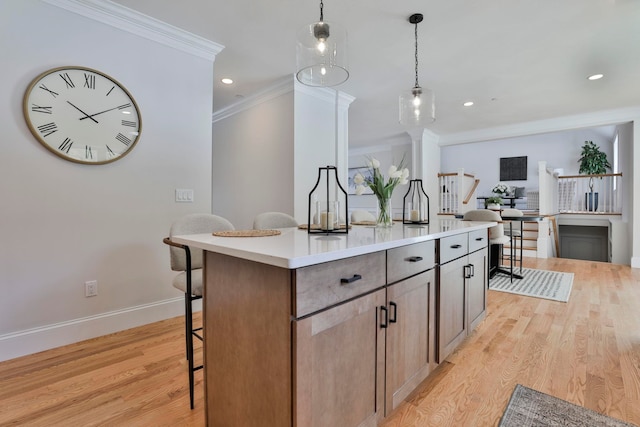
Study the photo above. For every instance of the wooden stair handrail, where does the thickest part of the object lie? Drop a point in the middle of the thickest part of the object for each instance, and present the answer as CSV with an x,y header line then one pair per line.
x,y
473,189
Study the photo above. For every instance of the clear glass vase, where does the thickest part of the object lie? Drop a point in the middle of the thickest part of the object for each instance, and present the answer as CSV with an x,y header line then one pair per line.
x,y
384,213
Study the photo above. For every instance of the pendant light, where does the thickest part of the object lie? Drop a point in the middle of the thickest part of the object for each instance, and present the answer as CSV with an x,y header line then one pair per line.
x,y
417,106
321,54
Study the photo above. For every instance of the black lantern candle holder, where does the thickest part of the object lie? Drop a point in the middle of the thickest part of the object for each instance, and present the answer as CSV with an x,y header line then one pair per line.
x,y
328,204
415,206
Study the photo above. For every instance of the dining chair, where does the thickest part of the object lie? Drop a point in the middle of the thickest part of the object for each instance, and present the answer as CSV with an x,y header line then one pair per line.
x,y
190,279
497,238
267,220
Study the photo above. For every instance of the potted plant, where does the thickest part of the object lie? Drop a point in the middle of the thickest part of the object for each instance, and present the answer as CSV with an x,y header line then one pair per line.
x,y
493,202
592,162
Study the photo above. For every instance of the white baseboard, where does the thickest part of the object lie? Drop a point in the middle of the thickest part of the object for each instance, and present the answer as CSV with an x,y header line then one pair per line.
x,y
34,340
635,262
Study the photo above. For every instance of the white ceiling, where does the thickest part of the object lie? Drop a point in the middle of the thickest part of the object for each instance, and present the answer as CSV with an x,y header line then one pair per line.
x,y
518,60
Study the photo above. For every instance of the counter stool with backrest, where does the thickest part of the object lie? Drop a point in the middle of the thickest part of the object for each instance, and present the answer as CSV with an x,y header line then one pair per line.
x,y
514,230
362,216
267,220
189,280
497,238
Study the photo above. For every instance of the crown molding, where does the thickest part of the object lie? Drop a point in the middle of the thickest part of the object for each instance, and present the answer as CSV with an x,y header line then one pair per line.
x,y
557,124
282,86
279,88
123,18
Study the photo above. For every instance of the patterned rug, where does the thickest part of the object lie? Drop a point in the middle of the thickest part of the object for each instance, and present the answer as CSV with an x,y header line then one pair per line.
x,y
554,285
529,408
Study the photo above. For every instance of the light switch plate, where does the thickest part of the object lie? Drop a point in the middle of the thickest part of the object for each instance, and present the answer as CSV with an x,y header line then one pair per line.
x,y
184,195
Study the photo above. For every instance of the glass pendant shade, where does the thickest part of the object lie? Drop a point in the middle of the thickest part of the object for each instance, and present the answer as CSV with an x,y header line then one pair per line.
x,y
321,55
417,107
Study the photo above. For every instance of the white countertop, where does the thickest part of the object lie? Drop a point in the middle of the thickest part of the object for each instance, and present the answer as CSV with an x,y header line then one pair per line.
x,y
296,248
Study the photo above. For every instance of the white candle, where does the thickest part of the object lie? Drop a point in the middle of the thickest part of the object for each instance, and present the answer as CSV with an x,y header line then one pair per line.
x,y
415,215
326,220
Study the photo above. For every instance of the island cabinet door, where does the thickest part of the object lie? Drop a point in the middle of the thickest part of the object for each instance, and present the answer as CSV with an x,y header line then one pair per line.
x,y
339,364
452,306
408,336
477,287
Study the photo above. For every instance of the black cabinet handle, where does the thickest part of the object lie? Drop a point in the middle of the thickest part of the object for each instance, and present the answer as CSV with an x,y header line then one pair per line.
x,y
479,239
414,259
473,270
456,246
393,318
351,279
385,317
467,271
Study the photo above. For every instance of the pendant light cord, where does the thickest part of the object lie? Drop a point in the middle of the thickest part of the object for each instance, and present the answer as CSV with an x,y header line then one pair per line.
x,y
322,15
416,34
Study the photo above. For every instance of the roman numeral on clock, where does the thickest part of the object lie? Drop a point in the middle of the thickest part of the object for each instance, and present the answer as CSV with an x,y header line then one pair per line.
x,y
123,106
48,129
110,152
128,123
43,87
126,141
90,81
66,145
40,109
88,153
67,80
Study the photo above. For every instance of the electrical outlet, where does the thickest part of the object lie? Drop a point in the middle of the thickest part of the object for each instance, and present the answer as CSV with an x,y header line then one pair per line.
x,y
91,288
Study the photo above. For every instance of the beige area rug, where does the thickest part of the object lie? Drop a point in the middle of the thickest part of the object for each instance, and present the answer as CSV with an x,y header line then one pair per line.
x,y
531,408
553,285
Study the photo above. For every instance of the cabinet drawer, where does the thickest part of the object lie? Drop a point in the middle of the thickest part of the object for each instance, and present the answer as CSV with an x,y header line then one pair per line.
x,y
321,286
478,239
453,247
410,260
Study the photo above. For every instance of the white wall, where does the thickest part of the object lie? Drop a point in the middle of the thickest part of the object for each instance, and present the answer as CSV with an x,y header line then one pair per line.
x,y
267,149
65,223
387,155
558,149
253,162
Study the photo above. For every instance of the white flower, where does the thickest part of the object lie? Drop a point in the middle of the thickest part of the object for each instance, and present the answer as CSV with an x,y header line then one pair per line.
x,y
358,179
404,179
500,188
394,172
359,189
374,163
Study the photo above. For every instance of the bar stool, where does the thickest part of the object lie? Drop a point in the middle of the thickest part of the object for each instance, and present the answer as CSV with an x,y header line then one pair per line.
x,y
497,238
189,280
514,234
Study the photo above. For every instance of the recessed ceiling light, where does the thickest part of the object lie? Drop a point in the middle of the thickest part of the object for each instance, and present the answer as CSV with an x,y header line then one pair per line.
x,y
227,81
596,77
468,104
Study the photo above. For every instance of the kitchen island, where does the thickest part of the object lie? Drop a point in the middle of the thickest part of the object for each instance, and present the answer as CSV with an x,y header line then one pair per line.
x,y
325,330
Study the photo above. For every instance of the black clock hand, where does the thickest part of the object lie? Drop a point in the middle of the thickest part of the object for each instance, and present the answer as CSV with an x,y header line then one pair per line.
x,y
110,109
86,115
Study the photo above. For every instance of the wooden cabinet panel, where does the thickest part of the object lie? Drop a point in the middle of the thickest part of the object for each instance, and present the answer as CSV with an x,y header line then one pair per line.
x,y
409,260
320,286
478,239
409,336
477,288
451,297
453,247
339,365
247,345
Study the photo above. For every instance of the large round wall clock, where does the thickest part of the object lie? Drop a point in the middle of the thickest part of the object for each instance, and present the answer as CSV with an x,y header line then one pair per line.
x,y
82,115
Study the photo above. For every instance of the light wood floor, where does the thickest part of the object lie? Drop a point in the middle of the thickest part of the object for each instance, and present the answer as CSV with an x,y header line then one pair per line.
x,y
586,351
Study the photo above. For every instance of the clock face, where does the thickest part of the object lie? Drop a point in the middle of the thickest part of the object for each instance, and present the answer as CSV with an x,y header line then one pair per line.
x,y
82,115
